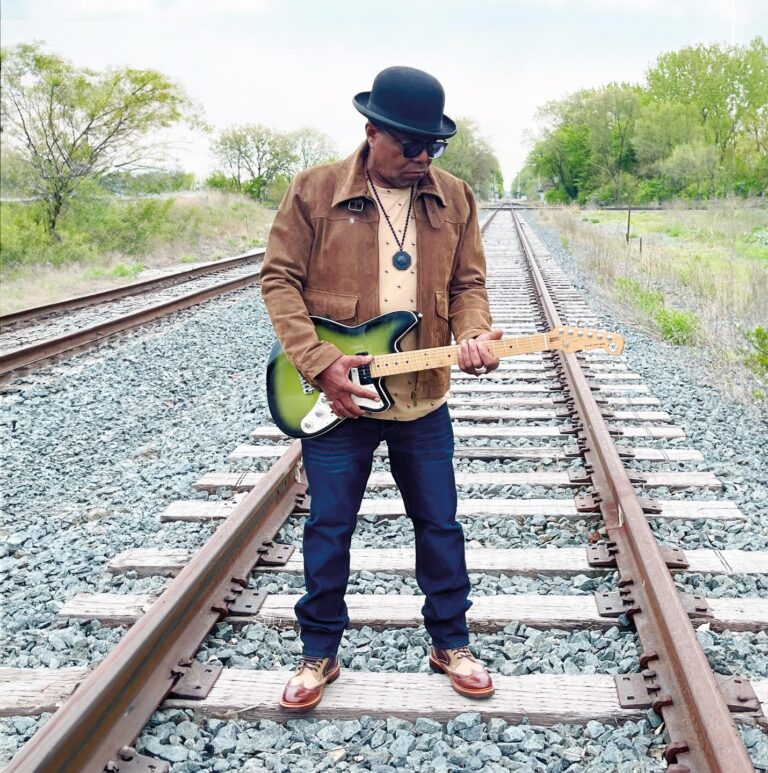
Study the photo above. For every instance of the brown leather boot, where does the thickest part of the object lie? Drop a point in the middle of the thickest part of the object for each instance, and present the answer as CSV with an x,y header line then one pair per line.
x,y
305,688
468,675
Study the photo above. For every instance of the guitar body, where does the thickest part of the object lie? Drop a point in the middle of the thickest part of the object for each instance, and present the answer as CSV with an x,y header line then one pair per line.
x,y
301,411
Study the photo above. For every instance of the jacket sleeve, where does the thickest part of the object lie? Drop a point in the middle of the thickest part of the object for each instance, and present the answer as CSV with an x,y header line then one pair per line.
x,y
283,277
468,309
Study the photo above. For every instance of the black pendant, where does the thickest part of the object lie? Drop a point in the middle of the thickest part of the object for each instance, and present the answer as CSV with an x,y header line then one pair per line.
x,y
401,260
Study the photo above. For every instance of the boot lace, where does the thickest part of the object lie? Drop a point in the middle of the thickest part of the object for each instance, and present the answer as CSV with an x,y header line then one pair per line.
x,y
313,664
462,652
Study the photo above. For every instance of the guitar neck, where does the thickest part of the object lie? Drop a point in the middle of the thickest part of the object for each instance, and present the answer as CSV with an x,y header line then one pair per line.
x,y
441,356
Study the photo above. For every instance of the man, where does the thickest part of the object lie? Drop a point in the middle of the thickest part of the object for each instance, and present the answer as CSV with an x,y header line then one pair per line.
x,y
378,232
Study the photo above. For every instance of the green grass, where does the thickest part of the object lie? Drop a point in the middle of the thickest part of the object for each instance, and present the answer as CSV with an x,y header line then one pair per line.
x,y
107,240
119,271
678,327
701,277
743,232
96,226
632,292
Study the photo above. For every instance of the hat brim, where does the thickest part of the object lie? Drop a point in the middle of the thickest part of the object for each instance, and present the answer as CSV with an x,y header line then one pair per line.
x,y
447,126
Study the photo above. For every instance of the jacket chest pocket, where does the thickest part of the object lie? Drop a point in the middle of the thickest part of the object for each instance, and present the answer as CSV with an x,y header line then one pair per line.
x,y
335,306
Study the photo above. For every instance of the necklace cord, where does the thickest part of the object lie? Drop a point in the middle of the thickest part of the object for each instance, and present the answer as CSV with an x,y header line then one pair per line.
x,y
399,242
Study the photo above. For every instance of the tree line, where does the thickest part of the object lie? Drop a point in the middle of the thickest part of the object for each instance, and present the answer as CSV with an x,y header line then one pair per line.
x,y
66,129
697,128
262,162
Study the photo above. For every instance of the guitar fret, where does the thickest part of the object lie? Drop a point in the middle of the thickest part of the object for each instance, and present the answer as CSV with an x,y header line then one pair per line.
x,y
406,362
568,339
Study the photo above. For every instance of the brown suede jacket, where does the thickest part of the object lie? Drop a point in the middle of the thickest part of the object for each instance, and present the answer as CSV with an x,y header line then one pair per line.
x,y
322,259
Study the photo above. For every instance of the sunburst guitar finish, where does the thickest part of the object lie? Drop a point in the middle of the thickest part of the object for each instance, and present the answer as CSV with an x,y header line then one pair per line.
x,y
302,411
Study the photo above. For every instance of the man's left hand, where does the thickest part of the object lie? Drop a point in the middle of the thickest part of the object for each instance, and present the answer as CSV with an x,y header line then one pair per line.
x,y
474,357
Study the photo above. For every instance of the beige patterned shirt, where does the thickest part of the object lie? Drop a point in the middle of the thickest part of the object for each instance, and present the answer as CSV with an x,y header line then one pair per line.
x,y
397,292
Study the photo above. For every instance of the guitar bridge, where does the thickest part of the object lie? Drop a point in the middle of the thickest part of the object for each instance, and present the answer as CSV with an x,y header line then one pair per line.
x,y
306,387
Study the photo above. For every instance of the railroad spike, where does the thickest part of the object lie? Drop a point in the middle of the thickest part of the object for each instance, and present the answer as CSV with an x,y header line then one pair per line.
x,y
673,749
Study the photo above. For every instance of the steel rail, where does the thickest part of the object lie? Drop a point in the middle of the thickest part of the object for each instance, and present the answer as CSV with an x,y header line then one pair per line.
x,y
92,299
79,340
110,708
703,736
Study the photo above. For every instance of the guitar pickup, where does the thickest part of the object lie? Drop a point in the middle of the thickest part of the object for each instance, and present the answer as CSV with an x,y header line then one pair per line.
x,y
364,371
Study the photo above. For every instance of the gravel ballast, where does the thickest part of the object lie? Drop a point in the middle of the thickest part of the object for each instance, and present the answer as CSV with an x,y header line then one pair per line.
x,y
96,447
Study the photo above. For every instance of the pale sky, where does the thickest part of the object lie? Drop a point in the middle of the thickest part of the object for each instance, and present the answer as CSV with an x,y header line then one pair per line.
x,y
299,63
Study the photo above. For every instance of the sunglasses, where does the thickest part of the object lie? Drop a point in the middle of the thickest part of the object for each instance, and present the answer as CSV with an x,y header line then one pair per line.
x,y
413,148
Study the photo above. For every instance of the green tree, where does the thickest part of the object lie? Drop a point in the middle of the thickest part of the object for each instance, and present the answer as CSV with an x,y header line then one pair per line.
x,y
469,156
231,148
311,147
71,124
721,83
659,128
754,79
254,155
562,157
622,141
610,114
586,142
692,168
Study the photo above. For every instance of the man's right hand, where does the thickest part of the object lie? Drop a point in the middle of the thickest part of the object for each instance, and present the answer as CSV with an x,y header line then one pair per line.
x,y
338,388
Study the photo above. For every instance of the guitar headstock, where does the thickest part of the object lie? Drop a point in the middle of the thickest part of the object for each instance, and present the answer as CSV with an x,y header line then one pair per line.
x,y
577,339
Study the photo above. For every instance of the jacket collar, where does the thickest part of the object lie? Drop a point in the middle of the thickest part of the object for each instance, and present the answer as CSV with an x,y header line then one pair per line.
x,y
351,182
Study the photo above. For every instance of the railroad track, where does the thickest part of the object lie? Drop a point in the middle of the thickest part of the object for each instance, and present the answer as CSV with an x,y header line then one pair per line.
x,y
34,337
535,413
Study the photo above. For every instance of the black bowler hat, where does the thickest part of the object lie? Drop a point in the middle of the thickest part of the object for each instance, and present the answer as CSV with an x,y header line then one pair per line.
x,y
407,100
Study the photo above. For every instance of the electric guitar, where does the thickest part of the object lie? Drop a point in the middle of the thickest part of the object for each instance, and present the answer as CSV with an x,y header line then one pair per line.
x,y
301,411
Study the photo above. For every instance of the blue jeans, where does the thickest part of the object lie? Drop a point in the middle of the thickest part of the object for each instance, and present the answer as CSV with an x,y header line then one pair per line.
x,y
337,465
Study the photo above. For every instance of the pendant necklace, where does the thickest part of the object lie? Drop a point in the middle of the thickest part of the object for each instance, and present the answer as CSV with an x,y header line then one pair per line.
x,y
401,260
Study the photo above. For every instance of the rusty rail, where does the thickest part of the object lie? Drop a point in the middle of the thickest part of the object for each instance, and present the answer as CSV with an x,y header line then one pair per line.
x,y
110,708
702,734
71,343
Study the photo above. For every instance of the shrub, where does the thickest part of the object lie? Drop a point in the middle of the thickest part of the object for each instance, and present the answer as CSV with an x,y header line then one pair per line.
x,y
557,196
678,327
655,189
23,236
275,191
756,356
221,182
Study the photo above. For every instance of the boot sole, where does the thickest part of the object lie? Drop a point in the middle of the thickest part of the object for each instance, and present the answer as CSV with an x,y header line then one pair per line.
x,y
311,704
486,692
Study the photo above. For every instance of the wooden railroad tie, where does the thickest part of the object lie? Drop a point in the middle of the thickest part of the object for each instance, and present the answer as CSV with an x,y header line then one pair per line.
x,y
541,699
